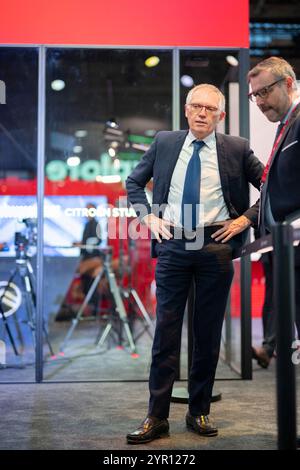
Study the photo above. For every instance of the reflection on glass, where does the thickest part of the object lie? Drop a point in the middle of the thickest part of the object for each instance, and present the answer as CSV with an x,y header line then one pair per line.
x,y
18,152
104,108
212,67
235,314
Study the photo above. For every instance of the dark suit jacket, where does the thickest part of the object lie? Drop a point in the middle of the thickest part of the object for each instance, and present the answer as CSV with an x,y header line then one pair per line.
x,y
237,165
283,180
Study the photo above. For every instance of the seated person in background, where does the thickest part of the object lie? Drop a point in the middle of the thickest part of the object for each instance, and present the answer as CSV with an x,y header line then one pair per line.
x,y
91,261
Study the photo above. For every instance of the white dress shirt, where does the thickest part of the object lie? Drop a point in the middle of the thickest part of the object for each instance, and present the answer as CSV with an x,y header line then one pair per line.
x,y
212,206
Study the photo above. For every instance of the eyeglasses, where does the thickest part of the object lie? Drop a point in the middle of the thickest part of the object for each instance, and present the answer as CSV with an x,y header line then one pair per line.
x,y
198,107
263,92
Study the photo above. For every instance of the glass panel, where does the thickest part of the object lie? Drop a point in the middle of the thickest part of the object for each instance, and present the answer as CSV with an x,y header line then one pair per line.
x,y
260,268
234,359
18,153
103,109
219,68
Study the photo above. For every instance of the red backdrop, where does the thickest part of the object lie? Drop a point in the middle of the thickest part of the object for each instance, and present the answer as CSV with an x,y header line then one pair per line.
x,y
219,23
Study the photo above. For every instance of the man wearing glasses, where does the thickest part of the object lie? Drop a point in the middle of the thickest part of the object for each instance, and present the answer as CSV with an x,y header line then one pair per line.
x,y
274,90
200,193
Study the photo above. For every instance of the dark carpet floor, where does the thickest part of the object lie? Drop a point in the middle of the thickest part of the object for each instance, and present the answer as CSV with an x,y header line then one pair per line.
x,y
98,416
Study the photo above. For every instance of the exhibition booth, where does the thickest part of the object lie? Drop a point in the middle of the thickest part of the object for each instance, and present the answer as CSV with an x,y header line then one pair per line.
x,y
84,92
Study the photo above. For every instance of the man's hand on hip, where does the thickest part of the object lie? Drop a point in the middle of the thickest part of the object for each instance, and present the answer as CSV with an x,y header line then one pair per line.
x,y
231,228
159,227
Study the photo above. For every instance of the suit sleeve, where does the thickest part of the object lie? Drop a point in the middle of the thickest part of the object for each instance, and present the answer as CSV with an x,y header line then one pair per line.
x,y
253,168
137,180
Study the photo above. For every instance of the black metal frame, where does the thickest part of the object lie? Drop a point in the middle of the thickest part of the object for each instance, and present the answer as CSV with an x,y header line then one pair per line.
x,y
284,306
281,240
246,356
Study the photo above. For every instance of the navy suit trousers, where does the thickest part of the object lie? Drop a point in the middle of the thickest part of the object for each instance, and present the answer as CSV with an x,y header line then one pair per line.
x,y
212,269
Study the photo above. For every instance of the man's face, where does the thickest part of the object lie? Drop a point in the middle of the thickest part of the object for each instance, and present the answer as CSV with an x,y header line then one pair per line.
x,y
203,120
277,101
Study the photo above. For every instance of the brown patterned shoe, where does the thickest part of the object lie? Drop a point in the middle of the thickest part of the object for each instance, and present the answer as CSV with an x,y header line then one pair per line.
x,y
151,428
201,425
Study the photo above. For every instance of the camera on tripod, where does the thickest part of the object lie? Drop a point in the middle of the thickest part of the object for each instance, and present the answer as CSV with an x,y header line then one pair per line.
x,y
25,246
26,240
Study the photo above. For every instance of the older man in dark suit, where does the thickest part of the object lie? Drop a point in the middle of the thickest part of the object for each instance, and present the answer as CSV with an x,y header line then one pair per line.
x,y
274,90
200,193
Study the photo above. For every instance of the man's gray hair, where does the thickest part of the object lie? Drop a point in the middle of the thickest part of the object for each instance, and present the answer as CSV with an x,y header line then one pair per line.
x,y
209,87
278,66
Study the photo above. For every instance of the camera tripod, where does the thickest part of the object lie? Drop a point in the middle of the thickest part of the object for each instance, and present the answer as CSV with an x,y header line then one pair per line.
x,y
25,271
119,306
9,303
129,292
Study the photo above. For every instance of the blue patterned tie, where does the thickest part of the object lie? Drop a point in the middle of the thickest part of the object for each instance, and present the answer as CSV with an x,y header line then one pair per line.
x,y
191,189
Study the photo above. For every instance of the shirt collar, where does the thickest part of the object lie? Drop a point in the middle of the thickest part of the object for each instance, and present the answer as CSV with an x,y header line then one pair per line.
x,y
209,140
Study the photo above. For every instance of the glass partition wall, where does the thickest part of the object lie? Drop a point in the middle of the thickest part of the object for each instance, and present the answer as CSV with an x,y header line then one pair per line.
x,y
102,110
18,211
99,124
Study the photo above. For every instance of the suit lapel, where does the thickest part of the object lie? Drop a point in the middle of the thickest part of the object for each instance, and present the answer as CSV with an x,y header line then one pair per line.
x,y
263,194
222,162
292,119
173,154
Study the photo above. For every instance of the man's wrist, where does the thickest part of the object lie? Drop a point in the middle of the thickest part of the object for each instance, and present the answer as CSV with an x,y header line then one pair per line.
x,y
145,218
247,220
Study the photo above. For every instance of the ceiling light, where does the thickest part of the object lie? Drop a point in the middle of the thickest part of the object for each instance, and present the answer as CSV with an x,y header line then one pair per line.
x,y
187,81
81,133
58,85
152,61
111,152
77,149
113,133
114,144
73,161
232,60
111,123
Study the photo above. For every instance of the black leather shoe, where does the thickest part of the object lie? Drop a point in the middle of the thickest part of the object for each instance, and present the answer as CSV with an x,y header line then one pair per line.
x,y
151,428
200,425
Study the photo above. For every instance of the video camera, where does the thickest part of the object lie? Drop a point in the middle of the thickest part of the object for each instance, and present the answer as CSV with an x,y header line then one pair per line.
x,y
26,239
